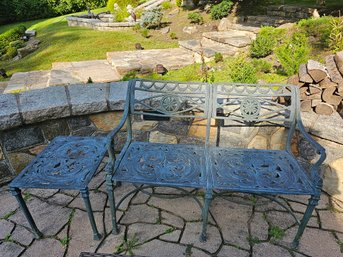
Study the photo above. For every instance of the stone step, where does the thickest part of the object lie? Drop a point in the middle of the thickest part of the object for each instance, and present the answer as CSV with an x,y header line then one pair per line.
x,y
28,80
234,38
226,25
150,4
144,61
208,47
264,20
66,73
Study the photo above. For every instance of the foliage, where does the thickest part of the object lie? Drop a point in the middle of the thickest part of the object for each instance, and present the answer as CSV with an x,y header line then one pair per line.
x,y
145,32
20,10
276,232
17,44
262,65
266,41
336,35
319,29
293,52
127,245
221,10
65,241
240,69
218,57
130,75
195,17
178,3
166,5
137,27
173,35
10,36
151,18
121,13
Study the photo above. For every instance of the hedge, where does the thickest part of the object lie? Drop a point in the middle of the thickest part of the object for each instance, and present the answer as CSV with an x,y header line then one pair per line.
x,y
21,10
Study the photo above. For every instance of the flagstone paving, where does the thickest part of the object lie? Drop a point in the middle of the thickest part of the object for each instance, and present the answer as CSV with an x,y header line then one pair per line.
x,y
240,226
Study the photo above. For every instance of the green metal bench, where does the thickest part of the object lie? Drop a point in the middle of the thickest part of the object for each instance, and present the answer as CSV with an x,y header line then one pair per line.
x,y
212,167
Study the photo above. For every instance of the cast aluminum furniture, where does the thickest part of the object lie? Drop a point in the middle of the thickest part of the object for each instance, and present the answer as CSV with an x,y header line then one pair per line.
x,y
69,163
213,167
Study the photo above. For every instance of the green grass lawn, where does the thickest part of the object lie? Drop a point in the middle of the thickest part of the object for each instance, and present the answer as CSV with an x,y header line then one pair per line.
x,y
60,43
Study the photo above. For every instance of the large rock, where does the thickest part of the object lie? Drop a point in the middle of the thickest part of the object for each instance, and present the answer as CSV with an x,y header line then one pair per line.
x,y
333,179
6,172
117,96
106,121
48,103
92,99
9,112
19,160
22,137
31,46
190,29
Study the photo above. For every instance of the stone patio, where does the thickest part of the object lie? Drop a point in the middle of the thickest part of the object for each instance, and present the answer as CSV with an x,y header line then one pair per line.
x,y
158,227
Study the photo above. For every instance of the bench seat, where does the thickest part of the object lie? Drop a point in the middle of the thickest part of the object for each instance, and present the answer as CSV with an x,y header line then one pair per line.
x,y
163,164
244,170
258,171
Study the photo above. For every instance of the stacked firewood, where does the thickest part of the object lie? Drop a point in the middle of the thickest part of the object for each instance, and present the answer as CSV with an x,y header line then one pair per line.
x,y
321,87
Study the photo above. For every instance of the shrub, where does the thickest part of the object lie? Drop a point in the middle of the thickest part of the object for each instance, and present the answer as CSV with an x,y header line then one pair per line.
x,y
10,53
151,18
293,52
241,70
17,44
9,36
262,65
266,41
173,35
145,32
195,17
319,29
336,35
218,57
178,3
166,5
122,12
221,10
130,75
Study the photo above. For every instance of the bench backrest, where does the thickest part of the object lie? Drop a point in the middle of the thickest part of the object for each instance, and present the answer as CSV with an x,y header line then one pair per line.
x,y
169,99
235,104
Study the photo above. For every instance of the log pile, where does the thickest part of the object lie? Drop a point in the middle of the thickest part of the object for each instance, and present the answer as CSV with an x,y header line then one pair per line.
x,y
321,87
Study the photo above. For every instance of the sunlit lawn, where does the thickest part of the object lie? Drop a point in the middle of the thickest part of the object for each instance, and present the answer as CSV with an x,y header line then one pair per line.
x,y
60,43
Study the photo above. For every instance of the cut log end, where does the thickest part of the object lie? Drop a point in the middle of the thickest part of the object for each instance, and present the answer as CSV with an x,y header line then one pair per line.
x,y
324,109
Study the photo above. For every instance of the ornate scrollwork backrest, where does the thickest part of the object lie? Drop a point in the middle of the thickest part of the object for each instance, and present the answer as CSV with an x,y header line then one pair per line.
x,y
246,103
171,99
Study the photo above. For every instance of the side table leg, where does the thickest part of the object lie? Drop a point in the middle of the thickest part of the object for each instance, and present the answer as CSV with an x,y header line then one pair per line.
x,y
85,196
16,192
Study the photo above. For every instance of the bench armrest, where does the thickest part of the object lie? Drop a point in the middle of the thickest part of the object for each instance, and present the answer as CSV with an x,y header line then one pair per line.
x,y
110,137
314,171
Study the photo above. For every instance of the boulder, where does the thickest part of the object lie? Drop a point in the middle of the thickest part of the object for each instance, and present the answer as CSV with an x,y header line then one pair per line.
x,y
190,29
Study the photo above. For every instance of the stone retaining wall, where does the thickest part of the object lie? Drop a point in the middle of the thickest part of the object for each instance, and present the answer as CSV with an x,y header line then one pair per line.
x,y
97,24
30,120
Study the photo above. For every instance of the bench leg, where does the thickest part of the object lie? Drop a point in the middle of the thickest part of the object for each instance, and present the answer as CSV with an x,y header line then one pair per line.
x,y
208,199
109,184
312,203
85,196
16,192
